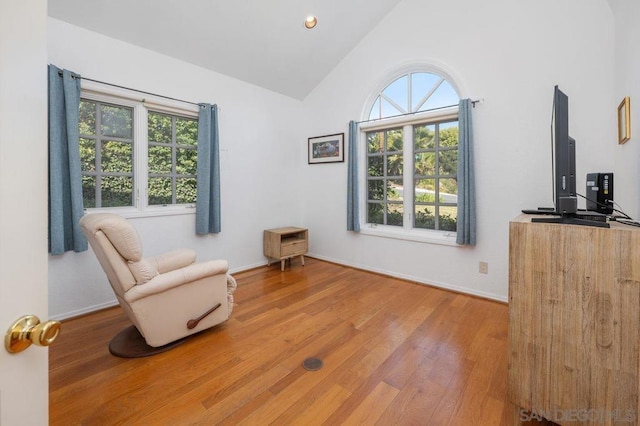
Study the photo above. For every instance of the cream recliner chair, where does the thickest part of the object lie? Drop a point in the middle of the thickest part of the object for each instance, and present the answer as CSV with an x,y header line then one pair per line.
x,y
167,297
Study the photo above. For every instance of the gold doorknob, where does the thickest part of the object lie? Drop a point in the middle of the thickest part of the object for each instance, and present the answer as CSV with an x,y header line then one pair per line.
x,y
27,330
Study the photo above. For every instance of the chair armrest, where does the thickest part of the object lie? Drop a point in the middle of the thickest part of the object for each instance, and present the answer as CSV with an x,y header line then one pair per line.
x,y
173,260
176,278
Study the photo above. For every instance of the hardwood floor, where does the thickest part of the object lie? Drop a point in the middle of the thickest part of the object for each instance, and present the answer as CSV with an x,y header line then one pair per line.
x,y
394,352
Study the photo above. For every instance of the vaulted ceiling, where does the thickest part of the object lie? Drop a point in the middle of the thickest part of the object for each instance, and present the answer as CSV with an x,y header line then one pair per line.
x,y
263,42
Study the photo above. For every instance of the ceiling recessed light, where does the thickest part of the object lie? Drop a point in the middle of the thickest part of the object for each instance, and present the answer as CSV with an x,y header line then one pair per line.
x,y
310,22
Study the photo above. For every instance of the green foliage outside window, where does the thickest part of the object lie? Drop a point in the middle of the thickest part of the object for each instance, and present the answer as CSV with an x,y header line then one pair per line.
x,y
107,156
425,162
172,159
435,171
426,219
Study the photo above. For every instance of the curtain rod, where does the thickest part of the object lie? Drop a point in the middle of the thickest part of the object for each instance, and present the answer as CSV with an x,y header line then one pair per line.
x,y
129,88
473,103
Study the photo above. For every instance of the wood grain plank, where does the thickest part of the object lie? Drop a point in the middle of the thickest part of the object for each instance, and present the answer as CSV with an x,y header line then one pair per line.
x,y
370,410
574,320
393,351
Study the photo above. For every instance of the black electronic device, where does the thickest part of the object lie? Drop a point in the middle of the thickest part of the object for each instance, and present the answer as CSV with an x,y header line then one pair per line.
x,y
564,149
564,168
600,192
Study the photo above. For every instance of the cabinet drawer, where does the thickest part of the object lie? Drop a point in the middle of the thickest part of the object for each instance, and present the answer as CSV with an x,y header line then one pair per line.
x,y
294,248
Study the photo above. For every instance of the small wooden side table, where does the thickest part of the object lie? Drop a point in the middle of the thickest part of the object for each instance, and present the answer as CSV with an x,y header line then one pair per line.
x,y
284,243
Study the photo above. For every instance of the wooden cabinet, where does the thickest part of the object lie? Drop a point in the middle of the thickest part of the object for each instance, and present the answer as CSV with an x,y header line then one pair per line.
x,y
284,243
574,322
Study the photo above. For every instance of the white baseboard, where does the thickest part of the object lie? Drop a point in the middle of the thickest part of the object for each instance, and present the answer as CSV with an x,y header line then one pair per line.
x,y
247,267
419,280
446,286
83,311
114,302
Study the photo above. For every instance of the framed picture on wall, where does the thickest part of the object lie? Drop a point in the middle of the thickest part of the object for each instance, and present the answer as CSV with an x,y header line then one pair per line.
x,y
326,149
624,120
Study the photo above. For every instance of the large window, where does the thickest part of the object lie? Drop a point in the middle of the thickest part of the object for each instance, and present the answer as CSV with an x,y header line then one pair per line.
x,y
411,151
136,156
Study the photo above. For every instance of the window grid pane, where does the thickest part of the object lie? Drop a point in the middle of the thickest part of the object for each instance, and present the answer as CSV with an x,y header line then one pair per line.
x,y
117,157
159,128
172,159
88,154
117,191
385,189
106,153
116,121
186,131
87,117
159,159
435,176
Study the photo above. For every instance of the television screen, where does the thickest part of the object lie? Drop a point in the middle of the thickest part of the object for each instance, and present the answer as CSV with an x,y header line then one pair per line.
x,y
564,163
564,171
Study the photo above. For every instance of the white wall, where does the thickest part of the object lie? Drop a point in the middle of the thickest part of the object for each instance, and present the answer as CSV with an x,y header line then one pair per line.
x,y
509,53
259,133
627,83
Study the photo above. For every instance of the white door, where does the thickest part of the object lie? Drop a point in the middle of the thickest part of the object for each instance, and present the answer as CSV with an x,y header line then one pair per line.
x,y
23,204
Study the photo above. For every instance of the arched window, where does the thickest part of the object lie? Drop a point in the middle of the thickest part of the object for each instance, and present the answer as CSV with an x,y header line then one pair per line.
x,y
412,93
411,149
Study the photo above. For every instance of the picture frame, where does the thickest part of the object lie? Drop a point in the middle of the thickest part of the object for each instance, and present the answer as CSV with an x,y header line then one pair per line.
x,y
624,120
326,149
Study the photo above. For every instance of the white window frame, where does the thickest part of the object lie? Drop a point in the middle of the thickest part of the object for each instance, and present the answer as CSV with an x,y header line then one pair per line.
x,y
118,96
174,147
407,231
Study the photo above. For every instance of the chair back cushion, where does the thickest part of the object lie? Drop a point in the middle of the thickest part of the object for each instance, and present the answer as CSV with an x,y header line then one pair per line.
x,y
123,236
115,242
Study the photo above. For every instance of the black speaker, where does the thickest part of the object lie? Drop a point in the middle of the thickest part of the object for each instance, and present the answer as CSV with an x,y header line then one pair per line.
x,y
600,192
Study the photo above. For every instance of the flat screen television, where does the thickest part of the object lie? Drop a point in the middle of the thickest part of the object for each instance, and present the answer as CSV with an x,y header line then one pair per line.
x,y
564,149
564,169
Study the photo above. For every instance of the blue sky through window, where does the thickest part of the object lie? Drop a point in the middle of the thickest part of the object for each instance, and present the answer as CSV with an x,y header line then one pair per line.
x,y
422,84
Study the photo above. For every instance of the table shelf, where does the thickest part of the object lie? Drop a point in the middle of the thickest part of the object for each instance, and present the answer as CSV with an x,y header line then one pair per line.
x,y
284,243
